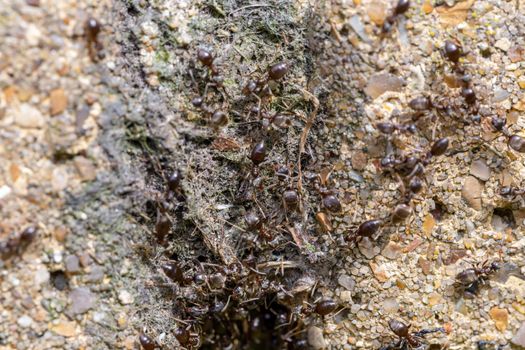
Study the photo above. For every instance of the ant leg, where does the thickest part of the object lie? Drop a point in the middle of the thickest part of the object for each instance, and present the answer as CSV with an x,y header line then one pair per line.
x,y
401,184
424,332
259,100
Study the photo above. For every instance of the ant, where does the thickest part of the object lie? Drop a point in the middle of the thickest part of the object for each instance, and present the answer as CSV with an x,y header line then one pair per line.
x,y
469,280
410,169
388,128
207,59
511,192
16,243
260,88
92,30
255,223
401,7
408,340
367,229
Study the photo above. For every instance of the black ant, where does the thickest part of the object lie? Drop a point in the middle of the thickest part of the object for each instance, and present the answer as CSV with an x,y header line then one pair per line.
x,y
408,340
217,80
401,7
16,243
511,192
367,229
469,280
389,128
260,88
256,223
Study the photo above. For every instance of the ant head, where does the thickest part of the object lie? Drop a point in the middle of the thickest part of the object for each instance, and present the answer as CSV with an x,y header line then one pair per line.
x,y
495,266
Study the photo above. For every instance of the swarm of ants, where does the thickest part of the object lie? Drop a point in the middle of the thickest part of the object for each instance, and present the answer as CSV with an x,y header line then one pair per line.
x,y
260,312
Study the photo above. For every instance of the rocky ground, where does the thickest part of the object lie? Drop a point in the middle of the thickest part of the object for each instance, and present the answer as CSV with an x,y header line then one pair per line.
x,y
94,120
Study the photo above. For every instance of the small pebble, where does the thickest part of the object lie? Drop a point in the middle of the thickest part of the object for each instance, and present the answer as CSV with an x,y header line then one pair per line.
x,y
96,274
479,169
41,276
380,83
125,297
390,305
500,317
82,299
471,192
503,44
367,248
391,251
72,264
519,337
346,282
24,321
316,338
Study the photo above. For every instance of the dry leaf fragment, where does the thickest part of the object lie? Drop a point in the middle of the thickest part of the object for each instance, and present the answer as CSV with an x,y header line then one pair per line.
x,y
452,16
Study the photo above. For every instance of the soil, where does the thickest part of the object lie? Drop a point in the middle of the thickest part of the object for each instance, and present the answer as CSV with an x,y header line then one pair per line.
x,y
156,216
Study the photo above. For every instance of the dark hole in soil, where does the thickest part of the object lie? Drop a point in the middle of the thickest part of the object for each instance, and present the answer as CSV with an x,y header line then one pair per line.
x,y
503,218
59,280
439,211
265,325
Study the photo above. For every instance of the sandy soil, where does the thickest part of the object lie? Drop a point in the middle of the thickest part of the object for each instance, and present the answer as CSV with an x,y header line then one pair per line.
x,y
95,122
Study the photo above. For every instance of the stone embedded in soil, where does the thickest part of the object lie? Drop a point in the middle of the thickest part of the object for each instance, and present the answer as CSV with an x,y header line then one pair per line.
x,y
59,179
427,7
60,234
96,274
72,264
500,318
377,11
85,259
434,299
479,169
516,53
41,276
359,160
316,338
500,95
58,100
455,13
64,328
27,116
25,321
471,192
428,225
367,248
346,282
357,26
379,272
86,169
519,337
125,297
425,265
82,299
390,305
392,250
503,44
380,83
